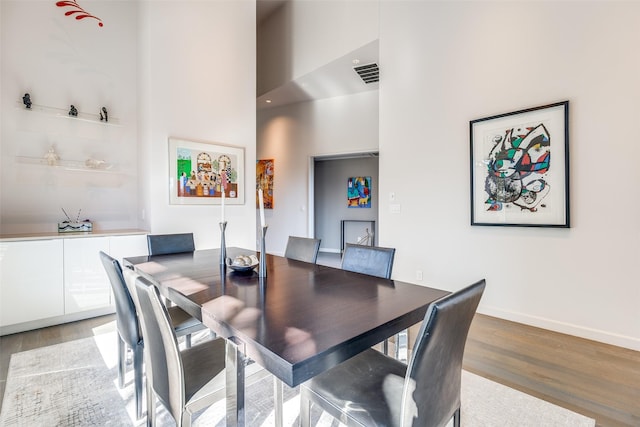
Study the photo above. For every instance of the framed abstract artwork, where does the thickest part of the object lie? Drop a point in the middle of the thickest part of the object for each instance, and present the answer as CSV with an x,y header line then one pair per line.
x,y
520,168
359,192
200,171
264,180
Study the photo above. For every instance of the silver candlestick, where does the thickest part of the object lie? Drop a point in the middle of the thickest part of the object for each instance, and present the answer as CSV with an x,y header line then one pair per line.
x,y
262,270
223,246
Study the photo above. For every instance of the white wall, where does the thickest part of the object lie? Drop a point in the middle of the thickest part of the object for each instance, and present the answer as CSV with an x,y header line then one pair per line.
x,y
292,135
197,82
62,61
446,63
304,35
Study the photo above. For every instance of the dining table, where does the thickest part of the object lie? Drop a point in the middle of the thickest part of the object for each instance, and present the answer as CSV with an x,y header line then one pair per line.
x,y
296,321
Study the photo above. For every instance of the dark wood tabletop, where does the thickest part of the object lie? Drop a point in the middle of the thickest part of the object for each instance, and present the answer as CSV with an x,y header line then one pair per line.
x,y
300,320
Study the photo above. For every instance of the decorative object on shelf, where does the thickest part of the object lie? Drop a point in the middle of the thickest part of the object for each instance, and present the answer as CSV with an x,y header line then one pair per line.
x,y
78,11
359,192
366,239
71,112
71,226
513,181
71,165
95,164
26,100
264,180
351,231
51,157
199,173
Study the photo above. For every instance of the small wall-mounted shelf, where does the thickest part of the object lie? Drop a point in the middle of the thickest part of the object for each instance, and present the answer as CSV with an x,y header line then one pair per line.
x,y
62,113
71,165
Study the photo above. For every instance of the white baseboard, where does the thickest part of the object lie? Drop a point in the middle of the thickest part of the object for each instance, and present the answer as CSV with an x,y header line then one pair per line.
x,y
58,320
565,328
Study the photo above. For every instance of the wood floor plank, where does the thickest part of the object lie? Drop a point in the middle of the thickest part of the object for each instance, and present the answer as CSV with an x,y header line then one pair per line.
x,y
592,378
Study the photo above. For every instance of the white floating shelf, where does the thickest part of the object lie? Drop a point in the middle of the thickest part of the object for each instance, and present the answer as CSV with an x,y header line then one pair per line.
x,y
64,114
70,165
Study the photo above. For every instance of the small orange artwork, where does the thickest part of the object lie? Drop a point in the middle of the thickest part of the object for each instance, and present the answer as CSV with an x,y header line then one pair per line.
x,y
264,180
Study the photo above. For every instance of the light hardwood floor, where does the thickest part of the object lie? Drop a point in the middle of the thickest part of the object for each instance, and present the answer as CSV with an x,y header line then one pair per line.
x,y
591,378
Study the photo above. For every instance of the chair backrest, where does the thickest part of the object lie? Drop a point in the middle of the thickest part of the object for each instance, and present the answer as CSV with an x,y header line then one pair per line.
x,y
163,244
431,393
126,317
302,249
161,348
371,260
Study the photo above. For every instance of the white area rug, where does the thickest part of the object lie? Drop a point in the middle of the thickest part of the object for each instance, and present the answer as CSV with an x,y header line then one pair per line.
x,y
75,384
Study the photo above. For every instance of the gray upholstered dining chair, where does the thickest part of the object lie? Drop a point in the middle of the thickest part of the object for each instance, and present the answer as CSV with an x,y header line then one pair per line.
x,y
371,260
374,261
163,244
183,381
302,249
186,381
128,326
372,389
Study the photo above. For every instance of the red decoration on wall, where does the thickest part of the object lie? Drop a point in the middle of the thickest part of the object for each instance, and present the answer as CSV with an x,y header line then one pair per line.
x,y
78,11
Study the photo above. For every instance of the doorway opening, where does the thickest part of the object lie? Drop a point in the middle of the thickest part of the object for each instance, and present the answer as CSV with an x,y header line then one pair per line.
x,y
329,206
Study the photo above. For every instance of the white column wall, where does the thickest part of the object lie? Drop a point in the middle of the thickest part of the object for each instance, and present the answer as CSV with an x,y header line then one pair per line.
x,y
446,63
197,82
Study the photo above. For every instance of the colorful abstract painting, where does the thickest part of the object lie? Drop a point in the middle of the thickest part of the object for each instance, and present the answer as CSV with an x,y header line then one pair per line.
x,y
515,181
359,192
264,180
201,172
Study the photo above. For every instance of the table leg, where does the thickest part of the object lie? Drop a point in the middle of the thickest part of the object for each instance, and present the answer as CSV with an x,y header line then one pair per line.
x,y
277,393
234,370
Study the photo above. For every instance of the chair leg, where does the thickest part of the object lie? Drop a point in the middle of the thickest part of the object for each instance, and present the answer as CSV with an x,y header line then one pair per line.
x,y
305,412
138,378
151,404
456,418
185,420
122,360
402,340
385,347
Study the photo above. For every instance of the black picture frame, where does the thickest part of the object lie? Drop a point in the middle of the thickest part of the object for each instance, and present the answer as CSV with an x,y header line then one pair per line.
x,y
520,168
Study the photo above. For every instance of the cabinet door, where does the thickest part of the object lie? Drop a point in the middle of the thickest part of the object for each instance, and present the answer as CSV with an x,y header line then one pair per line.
x,y
30,281
86,285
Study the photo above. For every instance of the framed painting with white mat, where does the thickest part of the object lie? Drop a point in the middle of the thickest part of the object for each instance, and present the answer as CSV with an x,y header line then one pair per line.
x,y
199,173
520,168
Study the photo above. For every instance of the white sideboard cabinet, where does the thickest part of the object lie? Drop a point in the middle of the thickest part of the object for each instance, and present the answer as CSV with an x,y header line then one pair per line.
x,y
86,286
61,279
31,285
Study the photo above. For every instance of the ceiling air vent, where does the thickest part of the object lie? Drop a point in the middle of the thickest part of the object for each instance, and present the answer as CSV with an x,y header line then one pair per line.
x,y
369,73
